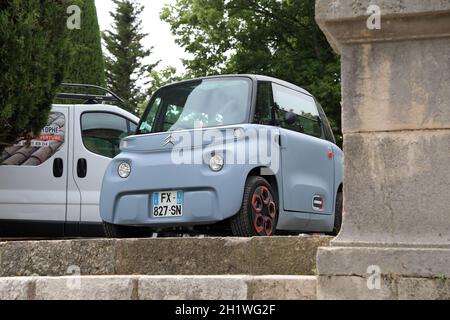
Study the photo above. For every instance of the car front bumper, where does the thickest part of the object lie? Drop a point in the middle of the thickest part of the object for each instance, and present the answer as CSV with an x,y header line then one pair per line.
x,y
209,196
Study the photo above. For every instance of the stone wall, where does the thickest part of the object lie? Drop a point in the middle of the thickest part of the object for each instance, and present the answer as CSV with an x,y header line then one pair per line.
x,y
396,125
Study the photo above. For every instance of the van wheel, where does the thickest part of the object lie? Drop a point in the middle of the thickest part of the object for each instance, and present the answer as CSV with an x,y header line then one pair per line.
x,y
117,231
258,215
338,214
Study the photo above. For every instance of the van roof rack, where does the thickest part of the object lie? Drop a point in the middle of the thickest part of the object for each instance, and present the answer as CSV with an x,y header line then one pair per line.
x,y
88,97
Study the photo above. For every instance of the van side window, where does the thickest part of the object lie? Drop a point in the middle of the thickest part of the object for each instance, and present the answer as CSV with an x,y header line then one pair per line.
x,y
101,132
263,110
302,105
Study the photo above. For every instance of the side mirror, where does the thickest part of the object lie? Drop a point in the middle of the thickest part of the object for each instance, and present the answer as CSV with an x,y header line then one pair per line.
x,y
290,118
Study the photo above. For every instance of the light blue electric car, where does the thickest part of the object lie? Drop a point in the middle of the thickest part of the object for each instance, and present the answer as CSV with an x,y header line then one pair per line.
x,y
245,155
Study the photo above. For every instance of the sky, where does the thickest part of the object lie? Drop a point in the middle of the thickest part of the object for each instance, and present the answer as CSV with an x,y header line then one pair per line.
x,y
159,35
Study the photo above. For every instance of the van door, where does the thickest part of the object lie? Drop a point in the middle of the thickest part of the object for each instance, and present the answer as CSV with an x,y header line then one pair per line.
x,y
97,141
306,159
33,181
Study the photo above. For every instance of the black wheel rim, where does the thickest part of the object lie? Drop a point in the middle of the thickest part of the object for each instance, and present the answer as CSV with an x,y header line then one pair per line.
x,y
264,211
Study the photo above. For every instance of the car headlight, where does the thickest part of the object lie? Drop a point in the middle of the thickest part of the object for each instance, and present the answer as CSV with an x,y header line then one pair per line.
x,y
216,162
124,170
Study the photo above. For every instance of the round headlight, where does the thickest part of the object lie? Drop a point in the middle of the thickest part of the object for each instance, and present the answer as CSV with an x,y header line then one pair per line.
x,y
124,170
216,163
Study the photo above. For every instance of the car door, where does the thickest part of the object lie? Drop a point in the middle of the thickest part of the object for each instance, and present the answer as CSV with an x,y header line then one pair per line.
x,y
97,141
306,159
33,181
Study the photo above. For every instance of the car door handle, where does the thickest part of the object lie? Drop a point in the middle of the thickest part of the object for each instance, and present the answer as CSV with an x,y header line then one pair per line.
x,y
278,139
58,168
82,168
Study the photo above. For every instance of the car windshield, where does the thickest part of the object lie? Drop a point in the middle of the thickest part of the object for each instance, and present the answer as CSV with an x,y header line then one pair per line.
x,y
203,103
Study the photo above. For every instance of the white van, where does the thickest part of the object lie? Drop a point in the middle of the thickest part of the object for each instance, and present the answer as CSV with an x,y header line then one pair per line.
x,y
50,186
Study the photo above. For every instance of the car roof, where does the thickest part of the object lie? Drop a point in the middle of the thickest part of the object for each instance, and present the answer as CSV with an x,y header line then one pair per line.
x,y
254,77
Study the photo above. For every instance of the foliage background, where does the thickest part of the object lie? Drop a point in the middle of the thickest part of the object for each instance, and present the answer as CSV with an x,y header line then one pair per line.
x,y
125,54
32,52
37,52
274,38
85,62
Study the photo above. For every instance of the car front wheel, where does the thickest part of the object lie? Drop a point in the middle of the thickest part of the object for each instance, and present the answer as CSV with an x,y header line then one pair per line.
x,y
258,215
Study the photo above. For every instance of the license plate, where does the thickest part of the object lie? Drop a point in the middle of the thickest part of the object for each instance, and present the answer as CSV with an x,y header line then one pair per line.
x,y
168,204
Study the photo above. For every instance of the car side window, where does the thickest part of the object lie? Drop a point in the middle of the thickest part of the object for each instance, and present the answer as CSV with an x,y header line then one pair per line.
x,y
264,103
148,122
305,116
101,132
133,128
173,113
329,135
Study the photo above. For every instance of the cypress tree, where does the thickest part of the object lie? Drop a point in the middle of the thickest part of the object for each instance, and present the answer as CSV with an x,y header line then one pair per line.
x,y
124,66
85,63
32,48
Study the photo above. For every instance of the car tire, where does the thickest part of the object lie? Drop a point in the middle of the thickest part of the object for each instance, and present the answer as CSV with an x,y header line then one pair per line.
x,y
258,215
117,231
338,214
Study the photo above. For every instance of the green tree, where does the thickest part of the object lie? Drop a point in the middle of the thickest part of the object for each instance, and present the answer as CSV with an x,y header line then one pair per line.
x,y
275,38
159,78
163,77
85,62
124,61
32,50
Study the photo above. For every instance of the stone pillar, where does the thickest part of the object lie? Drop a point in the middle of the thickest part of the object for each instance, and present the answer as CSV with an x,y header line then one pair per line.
x,y
396,124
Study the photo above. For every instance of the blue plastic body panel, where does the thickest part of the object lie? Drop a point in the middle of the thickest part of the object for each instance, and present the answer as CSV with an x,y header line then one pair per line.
x,y
208,196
